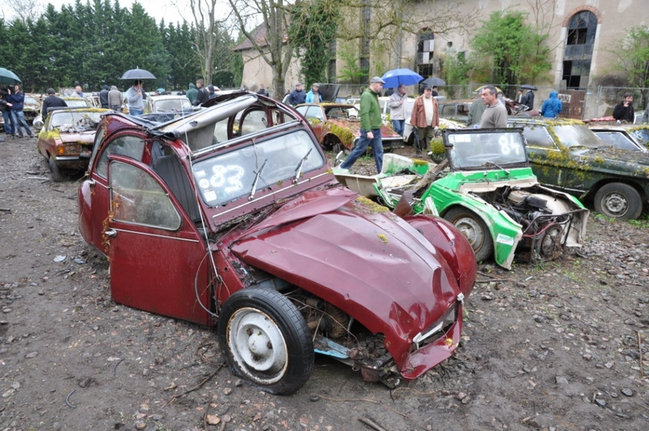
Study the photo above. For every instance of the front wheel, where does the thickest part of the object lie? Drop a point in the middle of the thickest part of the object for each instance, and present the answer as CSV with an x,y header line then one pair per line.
x,y
57,176
618,200
266,340
474,230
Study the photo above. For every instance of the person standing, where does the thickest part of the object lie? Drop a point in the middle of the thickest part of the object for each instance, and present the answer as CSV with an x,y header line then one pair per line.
x,y
192,93
645,116
202,95
297,96
425,117
475,112
78,90
5,106
371,122
262,90
103,96
51,101
623,111
115,98
313,96
495,113
397,104
552,106
135,98
528,99
17,100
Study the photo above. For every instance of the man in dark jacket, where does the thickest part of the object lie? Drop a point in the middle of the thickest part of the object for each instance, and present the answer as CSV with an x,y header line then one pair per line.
x,y
203,94
103,96
17,99
297,96
51,101
623,111
5,108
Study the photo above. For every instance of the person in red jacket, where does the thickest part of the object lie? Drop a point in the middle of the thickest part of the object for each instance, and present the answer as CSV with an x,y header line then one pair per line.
x,y
425,117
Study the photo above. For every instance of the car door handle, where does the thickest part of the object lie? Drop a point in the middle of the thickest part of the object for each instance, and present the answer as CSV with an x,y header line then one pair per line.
x,y
111,233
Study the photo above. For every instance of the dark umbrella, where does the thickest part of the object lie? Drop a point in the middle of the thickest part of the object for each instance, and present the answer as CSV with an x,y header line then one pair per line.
x,y
7,77
395,77
528,87
433,81
137,74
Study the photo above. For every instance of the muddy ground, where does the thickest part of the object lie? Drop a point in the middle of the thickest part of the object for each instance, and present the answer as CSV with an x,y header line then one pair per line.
x,y
559,345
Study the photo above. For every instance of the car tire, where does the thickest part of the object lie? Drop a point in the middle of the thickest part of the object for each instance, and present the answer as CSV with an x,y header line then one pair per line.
x,y
57,176
548,245
266,340
618,200
474,230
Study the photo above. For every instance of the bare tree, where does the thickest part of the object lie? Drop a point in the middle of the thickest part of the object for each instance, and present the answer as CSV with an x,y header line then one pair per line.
x,y
207,31
25,9
269,38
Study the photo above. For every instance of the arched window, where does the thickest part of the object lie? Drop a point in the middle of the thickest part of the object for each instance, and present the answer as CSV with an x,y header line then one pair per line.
x,y
425,49
578,53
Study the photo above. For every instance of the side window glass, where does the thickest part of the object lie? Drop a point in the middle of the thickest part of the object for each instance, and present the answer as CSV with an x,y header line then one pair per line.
x,y
137,198
538,137
129,146
254,121
315,112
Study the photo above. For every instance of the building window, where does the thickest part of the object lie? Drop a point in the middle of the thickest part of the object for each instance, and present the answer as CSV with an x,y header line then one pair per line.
x,y
425,50
578,53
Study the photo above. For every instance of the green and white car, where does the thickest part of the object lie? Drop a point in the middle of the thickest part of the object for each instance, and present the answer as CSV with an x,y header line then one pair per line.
x,y
487,189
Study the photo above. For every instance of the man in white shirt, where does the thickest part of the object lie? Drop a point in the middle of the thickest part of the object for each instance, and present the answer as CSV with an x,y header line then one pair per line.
x,y
425,117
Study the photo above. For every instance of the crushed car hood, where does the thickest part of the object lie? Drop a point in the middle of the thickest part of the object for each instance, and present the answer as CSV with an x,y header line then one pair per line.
x,y
360,257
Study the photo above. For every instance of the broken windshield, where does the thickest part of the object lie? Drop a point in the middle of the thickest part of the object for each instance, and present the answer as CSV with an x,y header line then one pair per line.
x,y
231,175
75,120
479,149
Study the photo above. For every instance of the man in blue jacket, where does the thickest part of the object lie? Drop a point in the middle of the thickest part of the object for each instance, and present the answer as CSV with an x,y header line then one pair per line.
x,y
552,106
17,99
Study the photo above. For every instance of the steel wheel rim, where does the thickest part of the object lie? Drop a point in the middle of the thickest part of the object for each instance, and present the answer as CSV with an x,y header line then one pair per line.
x,y
471,230
257,345
615,203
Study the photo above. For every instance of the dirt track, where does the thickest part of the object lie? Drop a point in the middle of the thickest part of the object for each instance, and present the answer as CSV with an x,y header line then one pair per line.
x,y
558,345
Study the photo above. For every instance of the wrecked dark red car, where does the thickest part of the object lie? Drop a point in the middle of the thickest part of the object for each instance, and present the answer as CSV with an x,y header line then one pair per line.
x,y
231,217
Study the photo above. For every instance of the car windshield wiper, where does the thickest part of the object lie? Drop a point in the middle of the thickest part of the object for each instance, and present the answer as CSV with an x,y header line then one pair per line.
x,y
254,182
298,169
498,166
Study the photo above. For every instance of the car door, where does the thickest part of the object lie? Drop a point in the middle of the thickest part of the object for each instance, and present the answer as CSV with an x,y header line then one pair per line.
x,y
158,260
93,192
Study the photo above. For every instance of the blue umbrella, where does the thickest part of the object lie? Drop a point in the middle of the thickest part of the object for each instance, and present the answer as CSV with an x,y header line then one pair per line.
x,y
395,77
8,77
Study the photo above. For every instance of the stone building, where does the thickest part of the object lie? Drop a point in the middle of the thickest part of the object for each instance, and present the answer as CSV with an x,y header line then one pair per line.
x,y
583,37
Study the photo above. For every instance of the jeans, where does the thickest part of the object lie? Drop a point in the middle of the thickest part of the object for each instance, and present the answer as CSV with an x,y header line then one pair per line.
x,y
397,125
19,120
9,122
136,112
361,148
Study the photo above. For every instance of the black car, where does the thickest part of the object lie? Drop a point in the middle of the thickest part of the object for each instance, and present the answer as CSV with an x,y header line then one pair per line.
x,y
566,154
